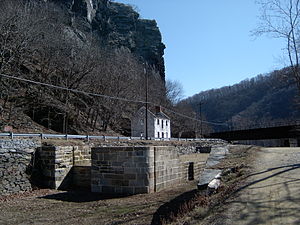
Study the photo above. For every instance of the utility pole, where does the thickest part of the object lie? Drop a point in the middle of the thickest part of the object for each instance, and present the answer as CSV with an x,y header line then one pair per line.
x,y
200,117
146,114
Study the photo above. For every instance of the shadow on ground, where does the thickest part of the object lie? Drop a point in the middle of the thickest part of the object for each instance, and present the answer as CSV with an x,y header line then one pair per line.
x,y
173,208
79,196
260,208
287,169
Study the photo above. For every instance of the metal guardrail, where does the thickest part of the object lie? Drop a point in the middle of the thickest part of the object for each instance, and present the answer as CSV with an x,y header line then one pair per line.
x,y
89,137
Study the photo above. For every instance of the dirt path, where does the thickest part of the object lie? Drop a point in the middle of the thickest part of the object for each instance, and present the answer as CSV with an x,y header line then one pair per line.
x,y
272,192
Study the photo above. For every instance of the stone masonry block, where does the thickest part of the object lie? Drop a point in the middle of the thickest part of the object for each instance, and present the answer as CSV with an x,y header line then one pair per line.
x,y
111,156
142,164
128,190
122,155
130,176
100,156
141,190
131,170
117,164
129,165
108,189
97,150
139,153
96,188
146,170
94,155
113,176
140,159
118,190
116,183
142,148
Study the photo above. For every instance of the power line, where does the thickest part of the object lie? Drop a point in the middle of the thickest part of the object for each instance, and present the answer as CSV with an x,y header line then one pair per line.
x,y
70,89
191,118
105,96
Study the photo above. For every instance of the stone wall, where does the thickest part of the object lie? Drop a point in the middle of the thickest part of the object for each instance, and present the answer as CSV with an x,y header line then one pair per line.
x,y
135,170
81,178
82,155
168,171
293,142
58,164
192,165
122,170
15,158
119,170
81,171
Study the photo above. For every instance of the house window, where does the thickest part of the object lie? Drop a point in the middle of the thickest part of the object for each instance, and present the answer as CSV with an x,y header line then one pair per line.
x,y
157,121
158,134
162,124
162,135
166,122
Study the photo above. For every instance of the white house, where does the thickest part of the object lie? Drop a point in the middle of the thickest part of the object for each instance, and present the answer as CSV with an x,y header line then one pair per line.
x,y
159,125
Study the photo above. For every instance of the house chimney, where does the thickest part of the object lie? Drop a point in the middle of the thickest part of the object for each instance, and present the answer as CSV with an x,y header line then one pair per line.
x,y
158,109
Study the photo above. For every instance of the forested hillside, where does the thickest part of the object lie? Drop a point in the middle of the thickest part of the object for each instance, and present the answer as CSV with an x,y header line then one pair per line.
x,y
264,100
96,46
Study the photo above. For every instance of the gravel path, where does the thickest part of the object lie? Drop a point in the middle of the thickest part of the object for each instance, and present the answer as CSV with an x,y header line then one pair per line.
x,y
272,192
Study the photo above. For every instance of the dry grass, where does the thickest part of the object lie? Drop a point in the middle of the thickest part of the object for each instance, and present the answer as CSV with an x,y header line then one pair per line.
x,y
57,207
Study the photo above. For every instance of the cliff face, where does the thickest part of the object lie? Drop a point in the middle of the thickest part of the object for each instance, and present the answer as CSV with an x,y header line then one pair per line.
x,y
118,25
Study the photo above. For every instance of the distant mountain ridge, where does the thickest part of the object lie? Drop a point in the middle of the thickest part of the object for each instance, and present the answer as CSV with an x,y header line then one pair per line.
x,y
261,101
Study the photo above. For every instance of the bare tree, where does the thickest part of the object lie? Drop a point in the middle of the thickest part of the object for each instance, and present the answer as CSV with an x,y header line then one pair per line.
x,y
19,29
38,43
281,19
174,91
183,124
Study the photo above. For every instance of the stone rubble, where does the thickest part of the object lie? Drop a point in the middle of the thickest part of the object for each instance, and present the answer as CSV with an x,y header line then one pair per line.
x,y
210,176
15,156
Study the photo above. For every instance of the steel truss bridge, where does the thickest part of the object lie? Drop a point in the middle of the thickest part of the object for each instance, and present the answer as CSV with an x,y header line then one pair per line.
x,y
278,132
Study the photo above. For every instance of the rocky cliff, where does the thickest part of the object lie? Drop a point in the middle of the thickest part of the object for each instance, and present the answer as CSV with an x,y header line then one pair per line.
x,y
119,25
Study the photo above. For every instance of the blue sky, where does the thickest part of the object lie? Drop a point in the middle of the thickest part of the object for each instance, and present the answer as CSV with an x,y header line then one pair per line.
x,y
208,42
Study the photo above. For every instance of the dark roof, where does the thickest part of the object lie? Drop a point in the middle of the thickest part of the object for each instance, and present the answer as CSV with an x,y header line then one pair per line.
x,y
162,115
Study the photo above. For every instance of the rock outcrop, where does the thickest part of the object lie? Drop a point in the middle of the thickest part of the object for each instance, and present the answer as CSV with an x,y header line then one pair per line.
x,y
119,25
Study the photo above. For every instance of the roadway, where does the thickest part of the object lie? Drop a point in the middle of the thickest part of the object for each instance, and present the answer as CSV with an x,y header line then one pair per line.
x,y
272,192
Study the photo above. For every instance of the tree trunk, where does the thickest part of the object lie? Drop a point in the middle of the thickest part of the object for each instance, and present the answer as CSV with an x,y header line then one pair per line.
x,y
95,122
